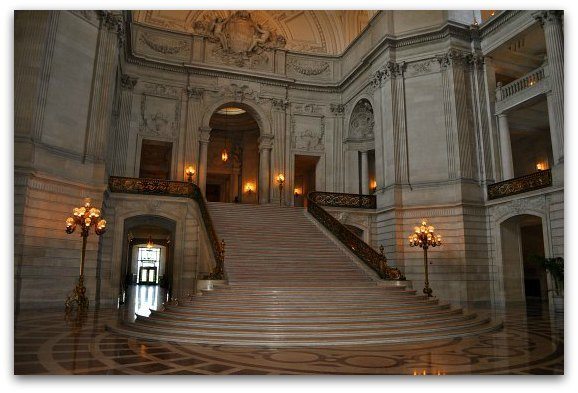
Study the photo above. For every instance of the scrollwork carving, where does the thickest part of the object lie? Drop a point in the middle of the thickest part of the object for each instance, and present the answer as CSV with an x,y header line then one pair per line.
x,y
309,68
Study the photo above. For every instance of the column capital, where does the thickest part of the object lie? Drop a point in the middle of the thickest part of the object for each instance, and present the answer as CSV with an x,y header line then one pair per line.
x,y
204,134
337,109
279,104
128,82
548,17
266,141
195,93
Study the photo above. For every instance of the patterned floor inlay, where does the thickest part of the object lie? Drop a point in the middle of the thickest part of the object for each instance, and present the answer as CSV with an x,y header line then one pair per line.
x,y
530,343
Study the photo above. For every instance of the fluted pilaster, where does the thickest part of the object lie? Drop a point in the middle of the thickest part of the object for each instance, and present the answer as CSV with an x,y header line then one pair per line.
x,y
193,122
99,121
127,84
551,21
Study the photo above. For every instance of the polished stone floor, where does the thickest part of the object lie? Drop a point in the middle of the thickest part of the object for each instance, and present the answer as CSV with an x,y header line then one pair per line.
x,y
531,342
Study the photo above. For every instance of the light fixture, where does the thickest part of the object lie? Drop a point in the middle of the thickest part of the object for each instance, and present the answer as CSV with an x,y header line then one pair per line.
x,y
424,236
297,191
224,155
540,166
249,188
281,180
373,185
190,172
150,243
86,217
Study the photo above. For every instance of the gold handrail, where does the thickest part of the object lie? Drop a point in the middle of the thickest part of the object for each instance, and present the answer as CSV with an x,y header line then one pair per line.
x,y
376,261
133,185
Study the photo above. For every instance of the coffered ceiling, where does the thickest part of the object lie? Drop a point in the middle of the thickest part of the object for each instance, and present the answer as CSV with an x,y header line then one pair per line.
x,y
310,31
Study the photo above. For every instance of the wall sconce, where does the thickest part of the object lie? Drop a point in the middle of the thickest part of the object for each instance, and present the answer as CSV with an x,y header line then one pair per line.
x,y
541,166
224,155
249,188
373,186
190,172
297,191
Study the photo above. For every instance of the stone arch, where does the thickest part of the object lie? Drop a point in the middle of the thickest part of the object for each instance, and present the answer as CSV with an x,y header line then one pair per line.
x,y
257,111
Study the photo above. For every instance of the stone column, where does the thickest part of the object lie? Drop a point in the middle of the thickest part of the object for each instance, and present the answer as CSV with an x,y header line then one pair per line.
x,y
551,21
505,147
265,145
204,137
127,84
102,86
364,173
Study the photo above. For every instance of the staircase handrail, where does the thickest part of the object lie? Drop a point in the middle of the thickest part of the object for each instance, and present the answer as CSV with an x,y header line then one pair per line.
x,y
134,185
375,260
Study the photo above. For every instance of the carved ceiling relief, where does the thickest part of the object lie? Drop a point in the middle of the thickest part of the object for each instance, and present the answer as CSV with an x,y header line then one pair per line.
x,y
312,31
239,40
362,121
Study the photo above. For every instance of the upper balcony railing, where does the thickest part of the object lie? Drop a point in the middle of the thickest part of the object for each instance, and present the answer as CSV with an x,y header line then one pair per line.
x,y
523,83
375,260
519,185
132,185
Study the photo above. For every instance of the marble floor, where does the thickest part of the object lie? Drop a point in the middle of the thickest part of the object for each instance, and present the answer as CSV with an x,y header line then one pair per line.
x,y
531,342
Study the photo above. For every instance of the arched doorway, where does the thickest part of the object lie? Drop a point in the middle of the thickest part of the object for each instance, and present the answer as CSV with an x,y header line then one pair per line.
x,y
147,260
524,280
233,156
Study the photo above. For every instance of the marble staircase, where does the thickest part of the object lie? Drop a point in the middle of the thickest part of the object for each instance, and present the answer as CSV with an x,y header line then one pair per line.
x,y
290,285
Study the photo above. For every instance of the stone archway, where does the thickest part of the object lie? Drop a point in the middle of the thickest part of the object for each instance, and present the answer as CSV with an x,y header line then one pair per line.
x,y
262,183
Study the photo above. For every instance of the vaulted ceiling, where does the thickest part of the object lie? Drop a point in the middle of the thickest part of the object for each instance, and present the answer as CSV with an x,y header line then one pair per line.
x,y
310,31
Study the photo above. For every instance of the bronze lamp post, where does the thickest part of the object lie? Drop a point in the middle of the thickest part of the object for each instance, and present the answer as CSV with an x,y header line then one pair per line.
x,y
281,181
86,217
425,237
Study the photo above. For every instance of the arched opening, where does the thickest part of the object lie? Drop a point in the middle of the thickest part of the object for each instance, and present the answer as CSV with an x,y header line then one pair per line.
x,y
233,156
361,150
147,261
525,281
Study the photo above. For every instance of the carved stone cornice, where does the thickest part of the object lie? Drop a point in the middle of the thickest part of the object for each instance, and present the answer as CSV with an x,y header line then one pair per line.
x,y
390,70
337,109
128,82
195,93
546,17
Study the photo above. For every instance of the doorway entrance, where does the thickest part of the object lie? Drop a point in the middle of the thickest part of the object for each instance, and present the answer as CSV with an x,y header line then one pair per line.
x,y
233,156
304,181
525,280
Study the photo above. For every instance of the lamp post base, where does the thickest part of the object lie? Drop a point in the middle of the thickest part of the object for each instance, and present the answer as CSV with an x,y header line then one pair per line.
x,y
427,290
77,297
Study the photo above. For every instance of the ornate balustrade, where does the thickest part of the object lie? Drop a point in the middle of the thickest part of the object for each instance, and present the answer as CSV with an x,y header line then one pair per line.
x,y
336,199
523,83
520,184
377,261
131,185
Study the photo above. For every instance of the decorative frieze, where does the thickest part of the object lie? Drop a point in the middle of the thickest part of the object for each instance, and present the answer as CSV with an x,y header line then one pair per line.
x,y
453,57
307,108
164,45
161,90
239,92
309,67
